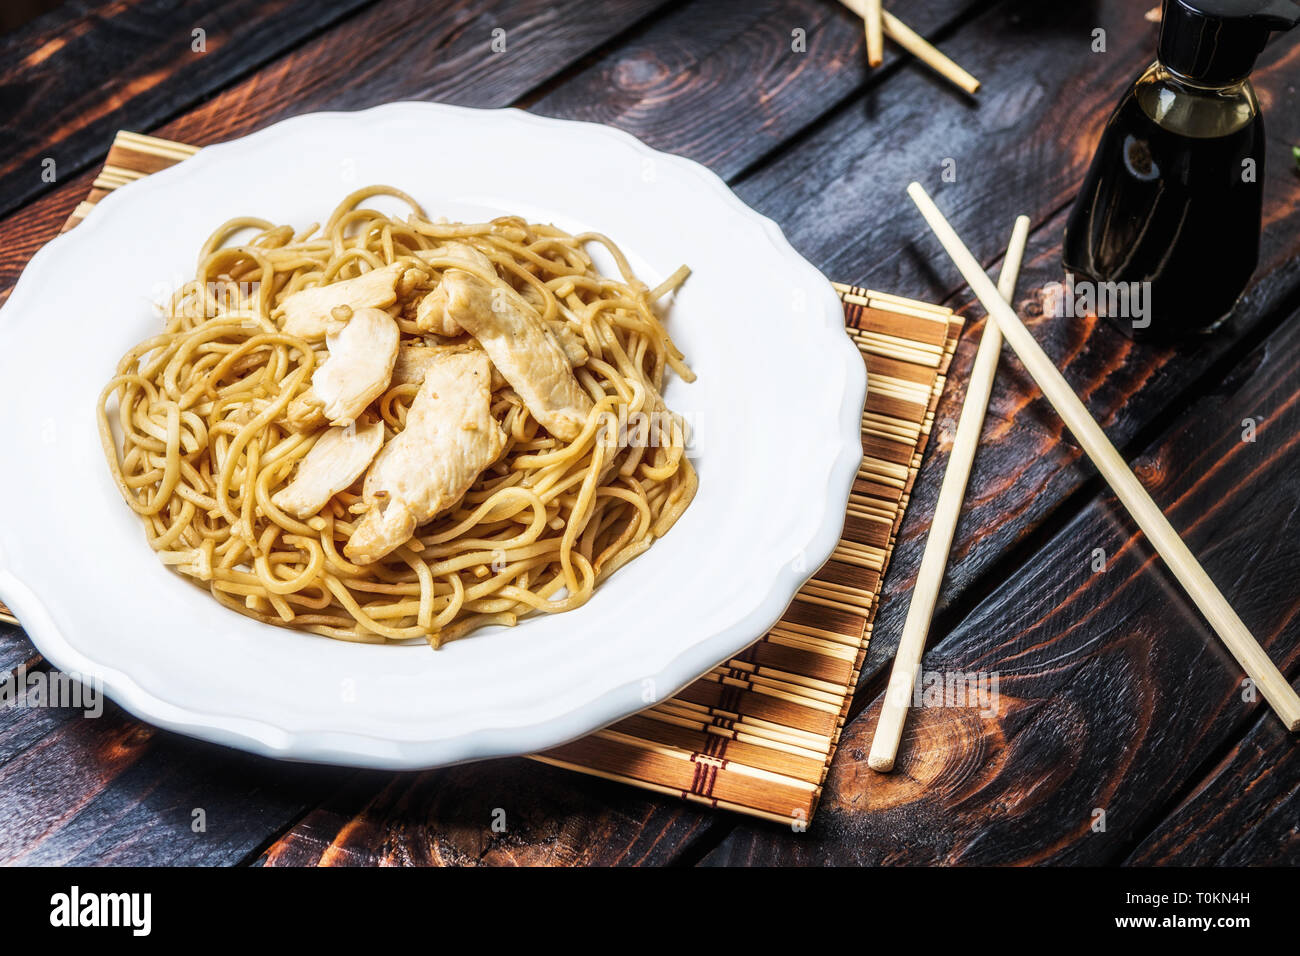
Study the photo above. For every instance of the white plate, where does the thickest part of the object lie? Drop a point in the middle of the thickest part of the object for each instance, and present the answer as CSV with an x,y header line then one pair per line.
x,y
776,410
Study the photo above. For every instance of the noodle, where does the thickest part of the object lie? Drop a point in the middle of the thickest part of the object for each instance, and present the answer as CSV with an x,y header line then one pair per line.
x,y
206,441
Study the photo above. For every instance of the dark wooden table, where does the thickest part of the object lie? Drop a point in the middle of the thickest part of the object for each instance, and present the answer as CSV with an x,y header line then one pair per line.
x,y
1116,695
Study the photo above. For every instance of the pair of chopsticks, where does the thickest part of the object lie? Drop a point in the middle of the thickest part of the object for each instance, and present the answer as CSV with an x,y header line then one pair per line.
x,y
880,23
1003,322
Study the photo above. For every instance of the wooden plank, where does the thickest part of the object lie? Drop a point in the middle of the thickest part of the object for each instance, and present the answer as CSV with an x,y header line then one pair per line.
x,y
73,78
1023,144
378,57
14,648
111,790
1243,811
1113,692
727,82
504,812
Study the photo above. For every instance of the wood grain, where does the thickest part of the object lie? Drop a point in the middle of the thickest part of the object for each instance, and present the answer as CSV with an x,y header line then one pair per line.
x,y
728,82
501,813
1113,692
19,13
71,79
111,790
1022,146
381,56
15,649
1243,811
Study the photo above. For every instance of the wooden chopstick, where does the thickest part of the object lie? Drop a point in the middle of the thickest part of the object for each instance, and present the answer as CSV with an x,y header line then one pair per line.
x,y
917,45
1234,634
875,33
911,646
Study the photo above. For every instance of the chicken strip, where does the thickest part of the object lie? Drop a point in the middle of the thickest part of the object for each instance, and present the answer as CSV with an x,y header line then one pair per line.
x,y
362,353
307,312
522,348
306,413
414,360
431,313
568,339
570,342
338,458
449,438
457,253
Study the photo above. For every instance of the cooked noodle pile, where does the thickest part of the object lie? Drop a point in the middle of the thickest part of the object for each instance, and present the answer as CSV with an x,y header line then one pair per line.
x,y
206,436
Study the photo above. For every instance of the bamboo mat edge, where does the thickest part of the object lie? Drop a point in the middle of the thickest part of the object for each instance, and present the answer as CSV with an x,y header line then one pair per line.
x,y
757,734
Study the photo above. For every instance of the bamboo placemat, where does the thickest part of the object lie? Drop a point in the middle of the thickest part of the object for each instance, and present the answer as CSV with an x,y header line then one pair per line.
x,y
756,734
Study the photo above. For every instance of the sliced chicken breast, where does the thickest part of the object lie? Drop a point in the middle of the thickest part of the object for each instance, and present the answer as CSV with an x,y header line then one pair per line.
x,y
414,360
570,342
431,313
449,438
307,312
522,348
306,413
451,254
339,457
361,357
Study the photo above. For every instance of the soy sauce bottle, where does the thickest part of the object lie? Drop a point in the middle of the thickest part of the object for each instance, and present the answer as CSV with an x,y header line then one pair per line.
x,y
1164,235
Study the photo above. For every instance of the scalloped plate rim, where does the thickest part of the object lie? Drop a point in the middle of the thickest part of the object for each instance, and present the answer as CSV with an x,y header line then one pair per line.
x,y
262,736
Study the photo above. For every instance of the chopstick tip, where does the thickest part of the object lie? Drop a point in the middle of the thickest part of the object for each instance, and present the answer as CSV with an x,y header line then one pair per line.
x,y
880,763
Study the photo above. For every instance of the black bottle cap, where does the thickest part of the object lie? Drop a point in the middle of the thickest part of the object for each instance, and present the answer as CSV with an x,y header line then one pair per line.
x,y
1215,42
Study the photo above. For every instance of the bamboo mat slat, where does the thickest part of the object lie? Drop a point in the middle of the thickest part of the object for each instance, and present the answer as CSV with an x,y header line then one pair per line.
x,y
756,735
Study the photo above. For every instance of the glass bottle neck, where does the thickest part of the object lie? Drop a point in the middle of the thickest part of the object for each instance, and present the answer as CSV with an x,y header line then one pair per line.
x,y
1188,109
1192,86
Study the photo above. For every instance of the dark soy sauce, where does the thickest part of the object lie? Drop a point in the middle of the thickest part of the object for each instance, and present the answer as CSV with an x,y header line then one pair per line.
x,y
1179,212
